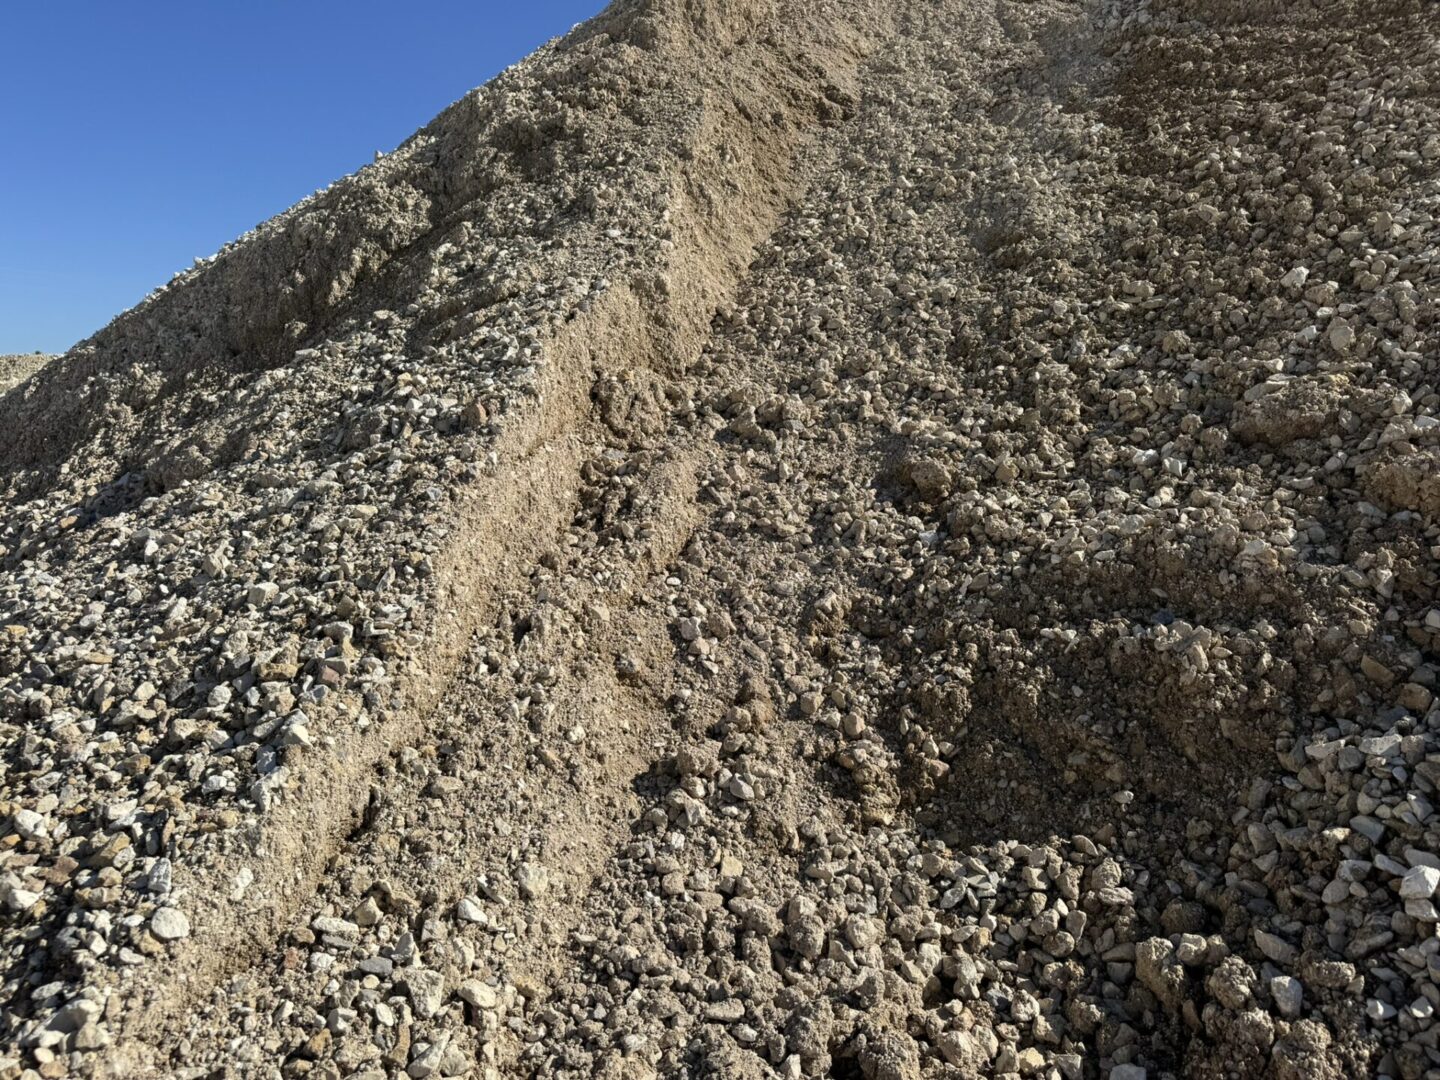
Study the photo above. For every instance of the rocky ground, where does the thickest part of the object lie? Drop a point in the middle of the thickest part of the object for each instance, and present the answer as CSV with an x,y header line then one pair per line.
x,y
16,369
848,539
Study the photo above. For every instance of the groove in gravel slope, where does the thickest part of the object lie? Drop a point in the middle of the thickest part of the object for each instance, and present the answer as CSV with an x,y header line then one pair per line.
x,y
724,201
486,785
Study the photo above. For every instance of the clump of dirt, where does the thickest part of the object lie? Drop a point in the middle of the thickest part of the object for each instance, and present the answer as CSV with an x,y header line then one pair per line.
x,y
846,539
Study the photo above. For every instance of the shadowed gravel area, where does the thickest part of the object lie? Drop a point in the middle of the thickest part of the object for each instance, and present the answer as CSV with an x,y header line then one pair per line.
x,y
16,369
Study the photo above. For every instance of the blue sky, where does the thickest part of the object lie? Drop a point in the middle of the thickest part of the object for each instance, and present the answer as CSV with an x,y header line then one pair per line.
x,y
136,137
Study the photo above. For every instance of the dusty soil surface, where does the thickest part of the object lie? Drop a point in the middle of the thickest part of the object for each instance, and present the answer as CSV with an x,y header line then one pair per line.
x,y
845,539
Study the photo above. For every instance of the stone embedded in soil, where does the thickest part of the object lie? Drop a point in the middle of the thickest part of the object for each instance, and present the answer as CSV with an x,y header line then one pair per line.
x,y
170,924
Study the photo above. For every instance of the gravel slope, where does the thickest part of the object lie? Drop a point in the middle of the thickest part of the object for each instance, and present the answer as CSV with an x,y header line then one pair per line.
x,y
820,540
16,369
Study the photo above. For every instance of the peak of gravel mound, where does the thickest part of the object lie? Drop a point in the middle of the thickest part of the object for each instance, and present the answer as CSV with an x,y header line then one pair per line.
x,y
846,539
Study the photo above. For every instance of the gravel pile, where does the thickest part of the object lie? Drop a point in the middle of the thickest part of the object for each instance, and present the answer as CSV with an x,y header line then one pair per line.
x,y
880,540
14,370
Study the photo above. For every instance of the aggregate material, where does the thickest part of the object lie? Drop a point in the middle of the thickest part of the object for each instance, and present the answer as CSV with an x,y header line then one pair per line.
x,y
16,369
858,538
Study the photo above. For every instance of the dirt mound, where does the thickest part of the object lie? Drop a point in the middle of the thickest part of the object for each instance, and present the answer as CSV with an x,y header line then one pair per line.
x,y
846,539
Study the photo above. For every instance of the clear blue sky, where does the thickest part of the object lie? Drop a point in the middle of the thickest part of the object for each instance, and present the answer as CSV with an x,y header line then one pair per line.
x,y
138,136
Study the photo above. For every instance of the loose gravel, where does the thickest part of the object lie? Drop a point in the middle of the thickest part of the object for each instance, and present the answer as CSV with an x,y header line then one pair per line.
x,y
14,370
830,540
